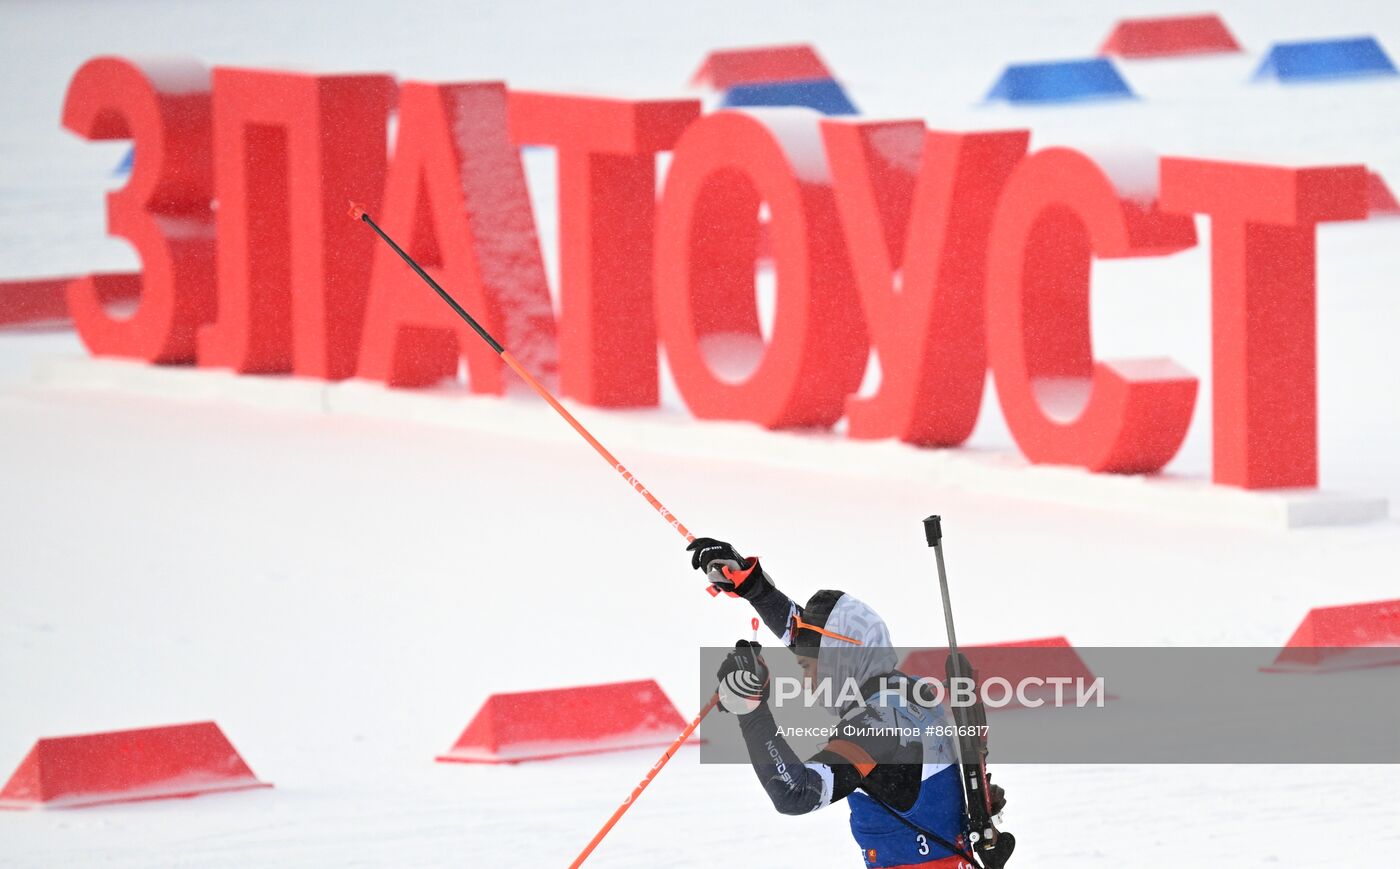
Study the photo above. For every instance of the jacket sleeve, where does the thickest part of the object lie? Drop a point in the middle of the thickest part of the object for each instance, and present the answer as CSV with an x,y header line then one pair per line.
x,y
795,787
866,756
776,610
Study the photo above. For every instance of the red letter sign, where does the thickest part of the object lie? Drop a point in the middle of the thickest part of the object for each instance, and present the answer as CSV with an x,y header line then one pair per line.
x,y
607,209
919,246
456,199
163,210
292,151
724,167
1264,307
1058,211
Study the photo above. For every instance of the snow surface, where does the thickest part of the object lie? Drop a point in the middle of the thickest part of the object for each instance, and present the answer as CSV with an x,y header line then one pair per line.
x,y
341,594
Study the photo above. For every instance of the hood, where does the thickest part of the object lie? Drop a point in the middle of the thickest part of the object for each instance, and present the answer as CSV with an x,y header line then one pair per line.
x,y
841,661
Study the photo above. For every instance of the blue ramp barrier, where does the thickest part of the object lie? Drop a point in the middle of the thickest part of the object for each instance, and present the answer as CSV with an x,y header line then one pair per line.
x,y
823,94
1318,60
1063,81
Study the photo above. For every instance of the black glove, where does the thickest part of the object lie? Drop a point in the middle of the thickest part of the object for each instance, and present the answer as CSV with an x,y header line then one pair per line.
x,y
743,679
726,569
996,795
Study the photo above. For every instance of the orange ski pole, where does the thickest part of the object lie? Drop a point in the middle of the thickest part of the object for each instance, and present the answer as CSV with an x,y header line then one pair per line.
x,y
358,213
642,785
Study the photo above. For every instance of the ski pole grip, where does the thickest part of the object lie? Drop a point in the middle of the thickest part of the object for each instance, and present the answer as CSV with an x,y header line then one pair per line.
x,y
933,530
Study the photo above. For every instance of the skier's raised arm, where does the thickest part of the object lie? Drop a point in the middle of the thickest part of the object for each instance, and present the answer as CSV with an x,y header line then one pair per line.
x,y
794,787
868,755
729,571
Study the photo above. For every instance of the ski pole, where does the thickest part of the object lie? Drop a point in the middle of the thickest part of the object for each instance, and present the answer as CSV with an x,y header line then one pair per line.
x,y
642,785
358,213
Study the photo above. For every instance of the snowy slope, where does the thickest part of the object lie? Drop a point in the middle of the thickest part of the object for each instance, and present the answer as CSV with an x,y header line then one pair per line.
x,y
341,594
330,592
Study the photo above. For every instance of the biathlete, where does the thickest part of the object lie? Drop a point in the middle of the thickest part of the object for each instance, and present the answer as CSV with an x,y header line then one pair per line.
x,y
891,761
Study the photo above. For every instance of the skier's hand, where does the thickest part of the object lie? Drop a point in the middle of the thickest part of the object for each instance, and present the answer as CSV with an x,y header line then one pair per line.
x,y
996,796
743,679
726,569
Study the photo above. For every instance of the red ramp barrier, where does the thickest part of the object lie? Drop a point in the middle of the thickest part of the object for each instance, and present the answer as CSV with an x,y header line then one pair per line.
x,y
1051,657
182,760
1169,37
541,725
45,300
1350,637
1379,198
729,67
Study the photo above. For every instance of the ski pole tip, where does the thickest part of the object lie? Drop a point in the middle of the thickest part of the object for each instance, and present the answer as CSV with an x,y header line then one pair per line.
x,y
356,212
